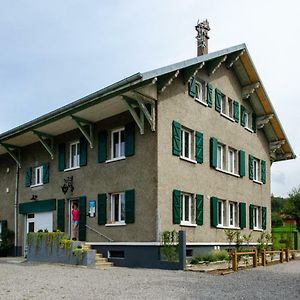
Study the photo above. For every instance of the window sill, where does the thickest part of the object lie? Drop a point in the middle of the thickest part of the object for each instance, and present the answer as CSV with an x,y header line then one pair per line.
x,y
258,182
258,229
187,224
115,159
201,102
71,169
115,224
36,185
227,117
188,159
229,173
249,129
227,227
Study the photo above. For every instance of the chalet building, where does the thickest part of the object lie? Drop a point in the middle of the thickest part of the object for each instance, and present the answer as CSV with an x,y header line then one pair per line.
x,y
185,147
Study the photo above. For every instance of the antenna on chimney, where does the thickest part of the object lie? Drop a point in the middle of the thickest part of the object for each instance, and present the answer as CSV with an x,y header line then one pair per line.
x,y
202,37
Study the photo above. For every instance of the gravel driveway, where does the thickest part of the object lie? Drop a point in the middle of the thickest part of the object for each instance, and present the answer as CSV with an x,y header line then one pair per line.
x,y
41,281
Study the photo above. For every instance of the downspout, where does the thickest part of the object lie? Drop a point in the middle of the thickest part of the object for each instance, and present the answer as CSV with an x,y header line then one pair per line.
x,y
16,205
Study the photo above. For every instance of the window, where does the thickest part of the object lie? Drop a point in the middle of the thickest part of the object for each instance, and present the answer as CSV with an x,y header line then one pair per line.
x,y
118,208
256,169
186,143
37,176
221,212
118,143
248,120
233,216
186,208
220,157
257,217
227,107
230,108
200,91
74,155
224,105
232,161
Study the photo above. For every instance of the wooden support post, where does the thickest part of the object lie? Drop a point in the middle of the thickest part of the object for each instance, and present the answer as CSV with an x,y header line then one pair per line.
x,y
234,261
264,257
287,257
255,259
281,256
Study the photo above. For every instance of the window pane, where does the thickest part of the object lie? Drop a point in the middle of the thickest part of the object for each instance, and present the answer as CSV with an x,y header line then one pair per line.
x,y
115,144
186,144
187,207
220,211
230,104
231,214
122,146
116,207
31,227
122,199
223,104
219,158
182,142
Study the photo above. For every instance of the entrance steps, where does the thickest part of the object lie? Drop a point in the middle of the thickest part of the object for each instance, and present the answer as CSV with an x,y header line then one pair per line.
x,y
101,262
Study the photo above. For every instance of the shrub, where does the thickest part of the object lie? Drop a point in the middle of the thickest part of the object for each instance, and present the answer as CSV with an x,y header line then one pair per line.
x,y
215,255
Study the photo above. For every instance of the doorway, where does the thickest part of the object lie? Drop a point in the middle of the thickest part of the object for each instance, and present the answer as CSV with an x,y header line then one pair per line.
x,y
71,203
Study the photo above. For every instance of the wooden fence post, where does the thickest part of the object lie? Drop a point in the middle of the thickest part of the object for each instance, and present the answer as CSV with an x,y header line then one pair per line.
x,y
234,261
264,257
255,259
281,256
287,257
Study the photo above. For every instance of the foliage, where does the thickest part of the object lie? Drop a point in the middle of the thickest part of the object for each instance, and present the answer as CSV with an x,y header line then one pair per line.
x,y
292,206
276,220
277,204
79,251
7,236
263,241
215,255
283,238
170,246
234,235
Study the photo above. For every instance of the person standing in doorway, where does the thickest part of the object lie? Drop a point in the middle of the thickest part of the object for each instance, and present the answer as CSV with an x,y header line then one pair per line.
x,y
75,220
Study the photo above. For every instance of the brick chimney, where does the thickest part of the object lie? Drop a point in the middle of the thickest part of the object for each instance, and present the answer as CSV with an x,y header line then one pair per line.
x,y
202,37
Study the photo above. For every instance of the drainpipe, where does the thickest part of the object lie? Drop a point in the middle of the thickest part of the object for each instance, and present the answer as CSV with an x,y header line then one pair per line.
x,y
16,205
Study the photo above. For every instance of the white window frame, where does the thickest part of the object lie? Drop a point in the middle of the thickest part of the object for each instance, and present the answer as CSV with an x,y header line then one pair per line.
x,y
220,162
38,180
190,135
183,220
200,92
230,105
112,208
223,104
232,163
119,154
256,169
77,160
232,214
222,213
257,222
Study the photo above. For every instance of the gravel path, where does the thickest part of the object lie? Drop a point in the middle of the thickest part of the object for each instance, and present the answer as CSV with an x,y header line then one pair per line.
x,y
41,281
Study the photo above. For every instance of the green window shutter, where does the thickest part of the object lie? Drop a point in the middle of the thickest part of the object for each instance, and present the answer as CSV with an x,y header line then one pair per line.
x,y
101,209
251,216
213,152
176,138
129,206
242,215
61,215
264,218
192,87
45,173
83,152
251,167
61,157
242,163
243,116
199,147
209,90
82,218
263,171
218,100
236,111
254,122
129,139
28,175
102,146
199,209
214,211
176,206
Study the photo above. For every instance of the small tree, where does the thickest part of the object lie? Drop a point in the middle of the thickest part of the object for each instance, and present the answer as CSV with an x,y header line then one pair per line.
x,y
292,206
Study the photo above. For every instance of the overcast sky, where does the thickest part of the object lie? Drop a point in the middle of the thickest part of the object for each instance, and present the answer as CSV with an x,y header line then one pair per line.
x,y
54,52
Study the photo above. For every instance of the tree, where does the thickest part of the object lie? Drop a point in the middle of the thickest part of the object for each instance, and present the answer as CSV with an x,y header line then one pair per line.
x,y
292,206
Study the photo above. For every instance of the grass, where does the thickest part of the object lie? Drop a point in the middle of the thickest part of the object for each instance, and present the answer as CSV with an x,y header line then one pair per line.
x,y
283,237
216,255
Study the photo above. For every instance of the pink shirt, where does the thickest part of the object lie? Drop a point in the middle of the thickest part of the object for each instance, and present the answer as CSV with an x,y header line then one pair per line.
x,y
75,214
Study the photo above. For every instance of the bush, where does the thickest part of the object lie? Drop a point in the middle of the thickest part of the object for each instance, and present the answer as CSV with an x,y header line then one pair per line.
x,y
216,255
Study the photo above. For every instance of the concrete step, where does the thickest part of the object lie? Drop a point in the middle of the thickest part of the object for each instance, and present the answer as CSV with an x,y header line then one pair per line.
x,y
104,264
99,255
101,259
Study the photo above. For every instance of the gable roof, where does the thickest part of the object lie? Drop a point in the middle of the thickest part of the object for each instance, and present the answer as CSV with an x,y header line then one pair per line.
x,y
236,57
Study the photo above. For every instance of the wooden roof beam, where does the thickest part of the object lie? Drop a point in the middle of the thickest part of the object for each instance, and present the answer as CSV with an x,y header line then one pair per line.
x,y
248,90
47,141
234,57
88,134
274,146
215,64
191,71
263,120
165,81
